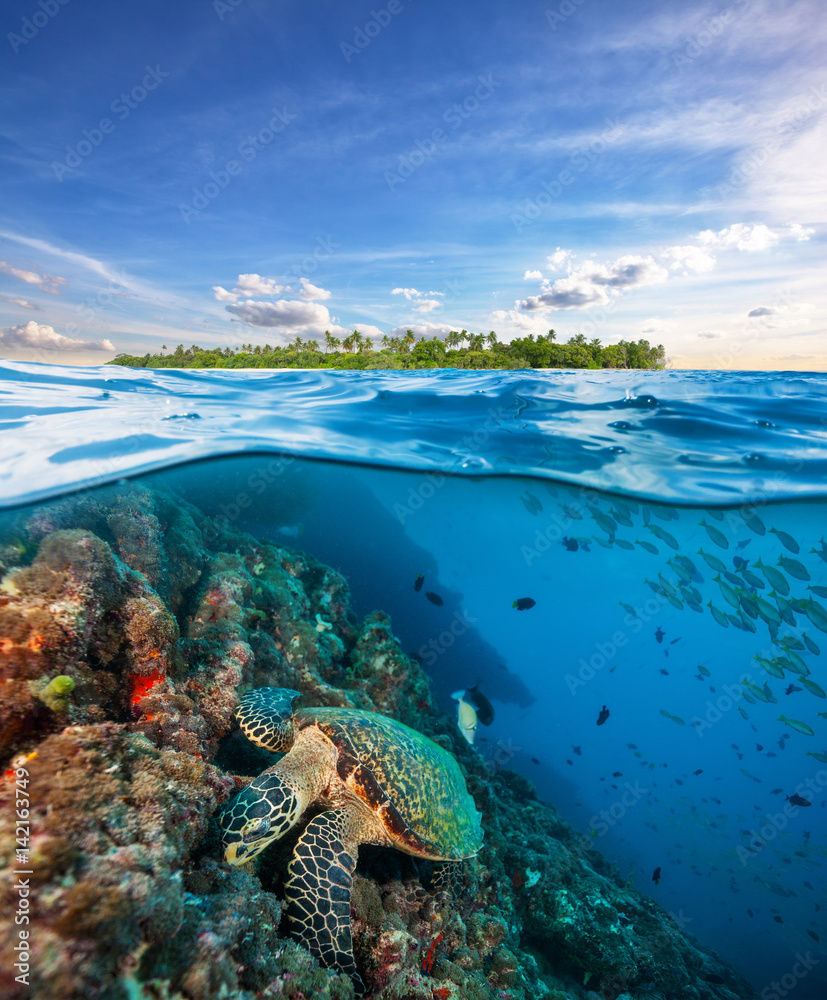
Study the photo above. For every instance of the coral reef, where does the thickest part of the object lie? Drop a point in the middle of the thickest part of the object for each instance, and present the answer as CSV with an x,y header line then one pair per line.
x,y
129,625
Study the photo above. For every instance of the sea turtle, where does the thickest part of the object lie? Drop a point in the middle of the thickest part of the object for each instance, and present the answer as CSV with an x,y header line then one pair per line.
x,y
380,782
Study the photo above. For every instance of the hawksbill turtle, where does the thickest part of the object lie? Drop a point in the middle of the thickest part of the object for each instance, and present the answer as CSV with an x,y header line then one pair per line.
x,y
380,782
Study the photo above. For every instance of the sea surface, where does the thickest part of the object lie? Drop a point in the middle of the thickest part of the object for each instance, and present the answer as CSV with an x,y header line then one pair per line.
x,y
631,566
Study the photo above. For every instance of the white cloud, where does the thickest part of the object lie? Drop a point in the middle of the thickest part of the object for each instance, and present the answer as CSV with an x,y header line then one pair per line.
x,y
532,275
312,293
559,258
23,303
295,316
595,284
741,236
427,305
409,293
45,282
696,259
760,311
249,285
47,338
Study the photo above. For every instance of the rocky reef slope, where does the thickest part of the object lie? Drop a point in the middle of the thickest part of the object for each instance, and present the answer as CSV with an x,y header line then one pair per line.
x,y
129,624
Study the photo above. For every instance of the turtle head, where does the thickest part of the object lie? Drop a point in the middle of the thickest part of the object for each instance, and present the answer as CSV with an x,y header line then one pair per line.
x,y
261,813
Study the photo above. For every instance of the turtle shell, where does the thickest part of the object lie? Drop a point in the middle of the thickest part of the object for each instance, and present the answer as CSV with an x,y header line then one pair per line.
x,y
414,786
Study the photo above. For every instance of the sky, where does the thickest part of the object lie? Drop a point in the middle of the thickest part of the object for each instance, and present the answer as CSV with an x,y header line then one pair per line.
x,y
243,171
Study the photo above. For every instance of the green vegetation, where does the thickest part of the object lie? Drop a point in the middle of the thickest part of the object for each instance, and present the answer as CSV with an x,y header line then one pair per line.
x,y
457,350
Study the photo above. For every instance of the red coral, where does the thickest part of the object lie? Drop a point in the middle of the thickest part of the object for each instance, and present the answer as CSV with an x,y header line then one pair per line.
x,y
430,956
442,993
142,684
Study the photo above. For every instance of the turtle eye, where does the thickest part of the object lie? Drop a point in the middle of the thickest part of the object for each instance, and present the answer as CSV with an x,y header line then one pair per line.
x,y
256,829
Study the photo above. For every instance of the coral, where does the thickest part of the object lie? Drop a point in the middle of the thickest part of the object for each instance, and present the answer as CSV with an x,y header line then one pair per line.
x,y
129,626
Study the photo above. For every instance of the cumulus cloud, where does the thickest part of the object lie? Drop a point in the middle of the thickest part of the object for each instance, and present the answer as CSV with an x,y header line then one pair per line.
x,y
753,238
559,258
47,338
45,282
312,293
761,311
295,316
532,275
427,305
688,258
249,285
593,284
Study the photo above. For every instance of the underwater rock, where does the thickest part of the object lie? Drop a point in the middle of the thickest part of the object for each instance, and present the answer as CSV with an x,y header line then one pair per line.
x,y
155,620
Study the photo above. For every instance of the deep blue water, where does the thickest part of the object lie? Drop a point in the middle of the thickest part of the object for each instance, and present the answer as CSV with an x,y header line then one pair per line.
x,y
483,483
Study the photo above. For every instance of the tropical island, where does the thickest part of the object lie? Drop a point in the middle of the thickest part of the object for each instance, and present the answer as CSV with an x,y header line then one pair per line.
x,y
459,349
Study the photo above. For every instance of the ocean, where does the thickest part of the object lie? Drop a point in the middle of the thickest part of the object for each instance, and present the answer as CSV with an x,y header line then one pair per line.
x,y
626,573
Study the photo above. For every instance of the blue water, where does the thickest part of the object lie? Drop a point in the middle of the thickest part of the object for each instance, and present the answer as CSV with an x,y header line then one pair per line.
x,y
483,482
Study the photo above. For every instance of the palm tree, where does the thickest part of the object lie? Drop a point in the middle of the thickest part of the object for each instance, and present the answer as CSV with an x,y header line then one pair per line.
x,y
410,339
452,339
330,342
297,344
348,343
551,336
463,336
491,338
365,344
312,345
386,341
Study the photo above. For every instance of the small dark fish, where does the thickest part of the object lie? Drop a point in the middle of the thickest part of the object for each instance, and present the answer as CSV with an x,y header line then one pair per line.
x,y
578,750
797,800
523,603
744,544
672,643
604,714
807,885
420,579
617,774
534,760
656,876
813,935
631,746
570,543
758,747
699,771
770,754
571,762
434,598
659,634
664,672
750,913
792,689
678,781
778,919
485,710
776,791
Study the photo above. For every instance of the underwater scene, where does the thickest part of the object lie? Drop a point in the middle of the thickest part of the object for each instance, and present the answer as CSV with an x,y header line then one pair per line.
x,y
413,685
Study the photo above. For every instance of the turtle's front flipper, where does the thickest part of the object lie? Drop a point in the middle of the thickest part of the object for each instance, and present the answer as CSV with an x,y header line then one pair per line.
x,y
448,878
318,890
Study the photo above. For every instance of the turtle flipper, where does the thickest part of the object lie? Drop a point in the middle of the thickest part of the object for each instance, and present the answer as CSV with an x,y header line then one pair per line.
x,y
266,717
318,891
261,813
448,878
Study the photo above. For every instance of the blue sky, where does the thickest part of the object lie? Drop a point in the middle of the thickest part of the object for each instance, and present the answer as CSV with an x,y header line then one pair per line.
x,y
249,171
